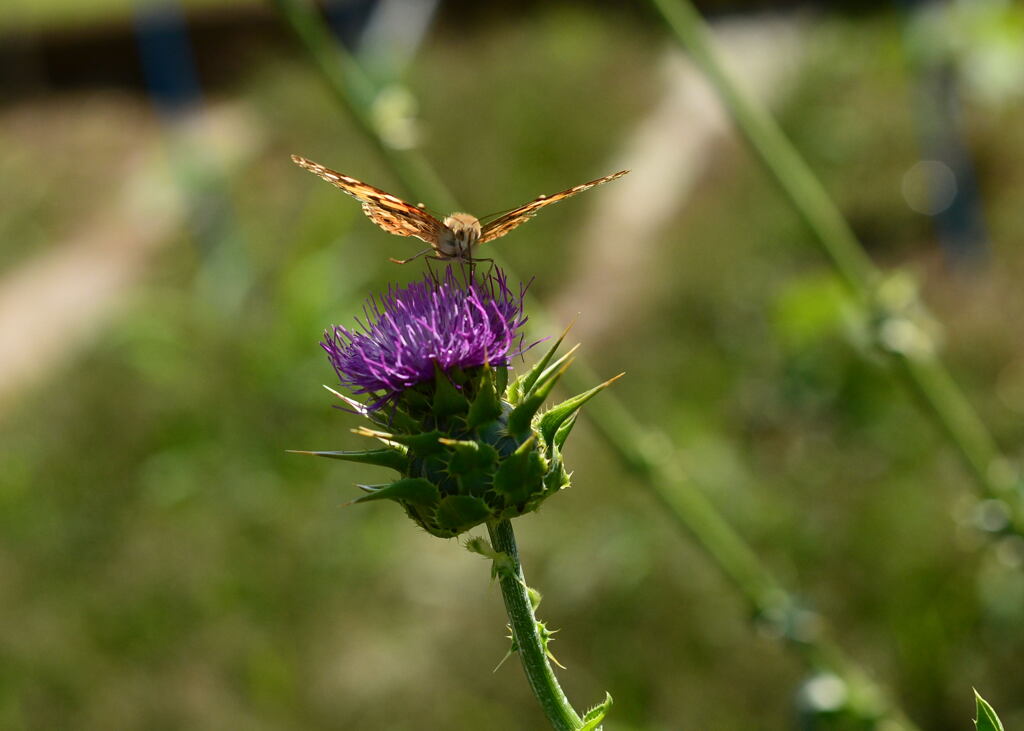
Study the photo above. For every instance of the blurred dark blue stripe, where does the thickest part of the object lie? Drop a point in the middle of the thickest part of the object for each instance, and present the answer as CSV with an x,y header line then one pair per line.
x,y
348,19
168,62
937,110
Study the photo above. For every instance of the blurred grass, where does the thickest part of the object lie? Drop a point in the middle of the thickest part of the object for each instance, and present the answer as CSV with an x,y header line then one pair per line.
x,y
163,564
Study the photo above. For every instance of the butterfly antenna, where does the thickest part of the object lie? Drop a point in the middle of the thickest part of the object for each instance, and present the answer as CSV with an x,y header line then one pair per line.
x,y
423,207
497,214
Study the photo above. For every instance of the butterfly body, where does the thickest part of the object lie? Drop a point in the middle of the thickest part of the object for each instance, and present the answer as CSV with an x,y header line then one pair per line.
x,y
453,238
461,233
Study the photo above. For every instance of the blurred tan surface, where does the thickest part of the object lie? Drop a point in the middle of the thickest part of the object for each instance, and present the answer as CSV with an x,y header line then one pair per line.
x,y
55,302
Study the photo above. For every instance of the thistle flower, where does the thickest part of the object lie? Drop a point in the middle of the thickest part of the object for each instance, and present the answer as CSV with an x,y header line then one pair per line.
x,y
432,324
433,360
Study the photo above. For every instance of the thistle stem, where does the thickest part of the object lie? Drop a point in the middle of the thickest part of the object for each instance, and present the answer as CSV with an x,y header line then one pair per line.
x,y
525,632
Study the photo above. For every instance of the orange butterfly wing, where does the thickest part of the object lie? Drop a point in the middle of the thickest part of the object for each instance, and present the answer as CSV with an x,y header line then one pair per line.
x,y
390,213
508,221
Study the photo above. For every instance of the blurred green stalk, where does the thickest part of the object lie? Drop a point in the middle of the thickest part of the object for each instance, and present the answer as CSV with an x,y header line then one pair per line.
x,y
641,450
919,368
354,90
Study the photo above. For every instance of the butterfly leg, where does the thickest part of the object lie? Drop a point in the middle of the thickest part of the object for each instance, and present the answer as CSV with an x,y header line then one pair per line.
x,y
472,262
411,258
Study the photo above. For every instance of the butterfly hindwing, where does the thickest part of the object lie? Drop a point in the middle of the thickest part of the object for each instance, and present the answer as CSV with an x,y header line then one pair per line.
x,y
508,221
387,211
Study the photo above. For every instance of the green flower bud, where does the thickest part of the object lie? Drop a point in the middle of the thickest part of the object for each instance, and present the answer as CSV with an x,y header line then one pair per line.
x,y
468,446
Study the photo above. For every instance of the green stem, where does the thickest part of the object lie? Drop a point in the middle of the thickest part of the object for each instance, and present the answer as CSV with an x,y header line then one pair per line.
x,y
528,642
650,456
926,376
932,383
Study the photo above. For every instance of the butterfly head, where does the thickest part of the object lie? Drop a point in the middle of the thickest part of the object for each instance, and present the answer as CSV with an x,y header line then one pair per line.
x,y
461,232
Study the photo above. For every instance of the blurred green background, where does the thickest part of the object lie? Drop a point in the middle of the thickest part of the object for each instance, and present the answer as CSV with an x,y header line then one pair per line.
x,y
166,273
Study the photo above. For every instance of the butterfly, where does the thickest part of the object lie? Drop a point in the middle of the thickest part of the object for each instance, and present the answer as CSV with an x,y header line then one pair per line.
x,y
456,235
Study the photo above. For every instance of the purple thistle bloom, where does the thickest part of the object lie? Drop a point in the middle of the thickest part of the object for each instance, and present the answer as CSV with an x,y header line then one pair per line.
x,y
447,322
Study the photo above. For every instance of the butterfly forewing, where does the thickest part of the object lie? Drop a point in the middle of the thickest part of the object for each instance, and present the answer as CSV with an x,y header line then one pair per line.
x,y
387,211
404,219
508,221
